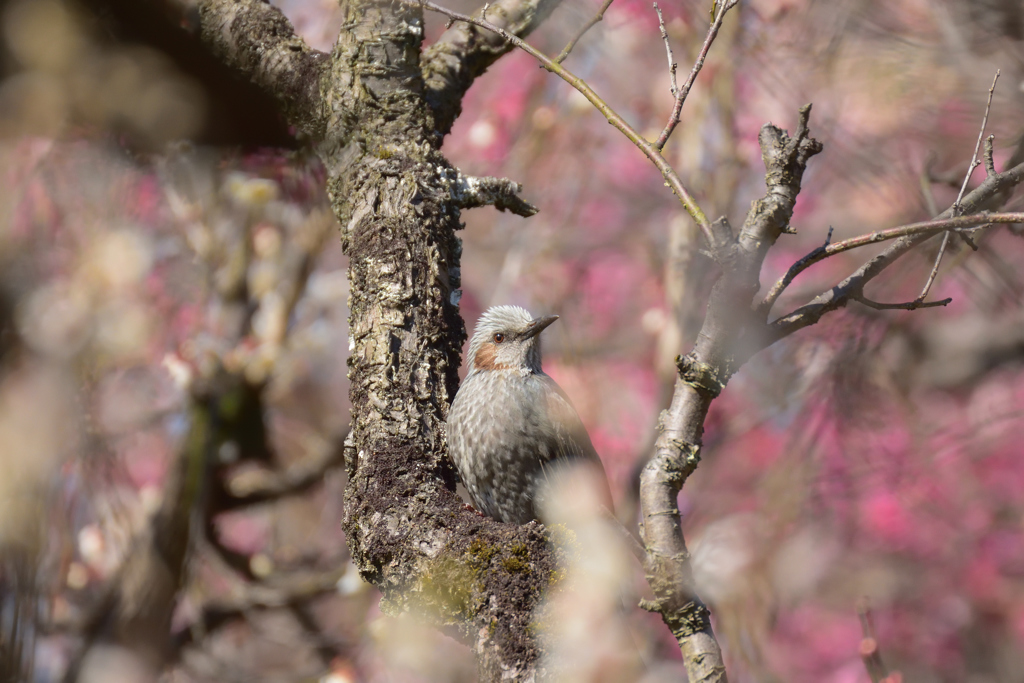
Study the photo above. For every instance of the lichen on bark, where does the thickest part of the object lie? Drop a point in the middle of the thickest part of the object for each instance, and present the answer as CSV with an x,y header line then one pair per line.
x,y
389,185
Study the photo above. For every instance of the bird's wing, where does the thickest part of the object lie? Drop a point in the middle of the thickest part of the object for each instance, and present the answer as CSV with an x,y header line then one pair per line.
x,y
573,442
571,435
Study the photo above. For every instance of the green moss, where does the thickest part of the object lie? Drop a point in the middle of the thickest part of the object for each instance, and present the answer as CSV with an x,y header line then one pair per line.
x,y
562,537
448,587
481,553
556,576
518,560
382,152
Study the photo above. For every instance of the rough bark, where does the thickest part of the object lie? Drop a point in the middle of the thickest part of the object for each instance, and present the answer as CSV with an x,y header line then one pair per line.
x,y
255,38
391,190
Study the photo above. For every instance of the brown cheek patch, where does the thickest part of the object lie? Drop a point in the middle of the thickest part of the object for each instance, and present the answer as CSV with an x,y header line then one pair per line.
x,y
486,358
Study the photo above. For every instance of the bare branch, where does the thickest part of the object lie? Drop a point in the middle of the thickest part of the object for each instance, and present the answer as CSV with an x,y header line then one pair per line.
x,y
255,38
667,564
993,191
671,177
674,87
681,93
934,273
465,51
579,34
833,248
702,375
908,306
975,162
470,192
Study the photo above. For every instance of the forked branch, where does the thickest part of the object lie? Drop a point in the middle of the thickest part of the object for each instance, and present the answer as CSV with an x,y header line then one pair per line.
x,y
681,93
650,151
992,192
924,228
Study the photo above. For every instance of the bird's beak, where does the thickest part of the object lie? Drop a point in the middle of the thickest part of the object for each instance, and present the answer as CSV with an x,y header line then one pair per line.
x,y
537,325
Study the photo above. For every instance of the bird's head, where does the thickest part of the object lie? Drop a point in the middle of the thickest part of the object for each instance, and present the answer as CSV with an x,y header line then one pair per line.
x,y
507,338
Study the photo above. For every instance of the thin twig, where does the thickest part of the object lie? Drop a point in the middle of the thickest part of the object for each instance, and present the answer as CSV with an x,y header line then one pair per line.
x,y
975,162
935,269
831,249
681,94
668,50
994,189
981,134
908,306
650,151
586,27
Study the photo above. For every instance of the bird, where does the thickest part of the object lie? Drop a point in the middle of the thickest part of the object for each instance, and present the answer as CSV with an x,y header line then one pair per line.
x,y
511,429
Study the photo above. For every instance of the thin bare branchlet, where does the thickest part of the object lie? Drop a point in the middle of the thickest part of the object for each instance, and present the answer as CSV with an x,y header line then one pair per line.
x,y
672,179
579,34
992,192
907,306
674,87
830,248
975,162
682,92
935,269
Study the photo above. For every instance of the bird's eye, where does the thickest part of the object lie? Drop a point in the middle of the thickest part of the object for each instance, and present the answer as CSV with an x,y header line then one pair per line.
x,y
498,338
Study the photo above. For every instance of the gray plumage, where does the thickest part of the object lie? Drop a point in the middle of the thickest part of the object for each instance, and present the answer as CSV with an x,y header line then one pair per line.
x,y
511,426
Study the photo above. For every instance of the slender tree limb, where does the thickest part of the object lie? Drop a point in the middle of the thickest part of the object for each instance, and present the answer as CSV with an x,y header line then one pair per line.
x,y
681,93
671,177
991,193
466,50
582,32
135,607
255,38
702,375
832,248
